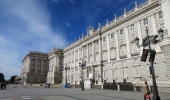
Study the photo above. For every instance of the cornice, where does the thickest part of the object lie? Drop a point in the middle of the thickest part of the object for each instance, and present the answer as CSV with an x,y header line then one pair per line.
x,y
123,20
113,24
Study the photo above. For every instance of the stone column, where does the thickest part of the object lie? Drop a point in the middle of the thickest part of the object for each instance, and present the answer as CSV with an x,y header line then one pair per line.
x,y
139,34
100,49
74,59
42,66
29,63
82,54
157,47
117,45
108,47
87,53
93,51
127,42
166,14
35,64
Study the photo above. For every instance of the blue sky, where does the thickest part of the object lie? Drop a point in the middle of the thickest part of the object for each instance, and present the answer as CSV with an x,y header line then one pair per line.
x,y
39,25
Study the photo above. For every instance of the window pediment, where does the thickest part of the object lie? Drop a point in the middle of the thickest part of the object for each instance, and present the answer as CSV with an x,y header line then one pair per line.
x,y
122,45
112,48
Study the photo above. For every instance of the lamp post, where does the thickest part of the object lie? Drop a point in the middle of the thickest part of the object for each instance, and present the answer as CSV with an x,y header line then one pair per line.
x,y
82,65
66,68
147,42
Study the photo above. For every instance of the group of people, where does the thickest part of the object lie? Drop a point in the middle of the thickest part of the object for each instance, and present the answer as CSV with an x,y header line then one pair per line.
x,y
3,85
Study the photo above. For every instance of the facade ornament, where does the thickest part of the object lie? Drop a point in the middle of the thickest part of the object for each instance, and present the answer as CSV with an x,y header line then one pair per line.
x,y
75,40
124,10
82,35
115,18
107,21
99,25
91,30
136,4
79,37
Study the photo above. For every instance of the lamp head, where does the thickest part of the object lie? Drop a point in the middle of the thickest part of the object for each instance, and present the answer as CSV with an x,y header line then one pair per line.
x,y
160,32
137,41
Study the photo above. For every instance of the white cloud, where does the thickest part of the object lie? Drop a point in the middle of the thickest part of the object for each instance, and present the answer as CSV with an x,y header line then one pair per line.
x,y
24,26
72,1
67,23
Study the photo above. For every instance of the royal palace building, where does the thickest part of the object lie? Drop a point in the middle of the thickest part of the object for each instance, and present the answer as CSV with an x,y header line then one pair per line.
x,y
112,55
110,52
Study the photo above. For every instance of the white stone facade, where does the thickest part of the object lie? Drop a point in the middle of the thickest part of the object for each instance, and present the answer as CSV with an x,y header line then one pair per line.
x,y
34,68
54,74
111,52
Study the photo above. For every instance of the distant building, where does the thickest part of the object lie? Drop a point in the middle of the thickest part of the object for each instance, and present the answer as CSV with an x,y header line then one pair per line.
x,y
2,77
34,68
18,80
12,81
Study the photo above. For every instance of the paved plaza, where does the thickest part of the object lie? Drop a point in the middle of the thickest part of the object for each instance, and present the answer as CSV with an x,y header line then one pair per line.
x,y
17,92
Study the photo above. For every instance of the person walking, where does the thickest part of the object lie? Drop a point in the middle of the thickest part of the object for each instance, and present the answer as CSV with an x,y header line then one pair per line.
x,y
4,85
146,91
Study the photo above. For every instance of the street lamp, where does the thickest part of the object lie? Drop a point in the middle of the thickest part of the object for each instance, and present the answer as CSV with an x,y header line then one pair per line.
x,y
82,65
147,42
66,68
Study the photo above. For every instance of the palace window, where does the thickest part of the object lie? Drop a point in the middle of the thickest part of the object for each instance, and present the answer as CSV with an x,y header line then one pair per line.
x,y
112,35
104,39
121,31
132,27
160,14
104,74
72,78
136,71
124,74
113,73
145,21
96,74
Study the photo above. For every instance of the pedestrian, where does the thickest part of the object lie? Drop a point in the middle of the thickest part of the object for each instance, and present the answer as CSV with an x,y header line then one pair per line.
x,y
49,85
46,85
4,85
146,91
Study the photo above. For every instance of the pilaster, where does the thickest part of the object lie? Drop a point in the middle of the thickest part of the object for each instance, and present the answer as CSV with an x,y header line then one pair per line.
x,y
157,46
100,49
139,34
117,45
93,45
127,42
35,65
74,59
108,47
166,14
78,57
42,66
87,53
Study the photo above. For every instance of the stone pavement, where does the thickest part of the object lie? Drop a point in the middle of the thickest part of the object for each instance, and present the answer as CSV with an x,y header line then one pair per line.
x,y
40,93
